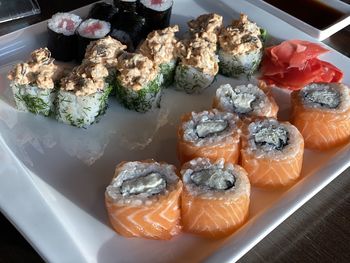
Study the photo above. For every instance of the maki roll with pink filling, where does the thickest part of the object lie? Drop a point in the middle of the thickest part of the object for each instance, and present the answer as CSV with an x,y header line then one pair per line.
x,y
89,30
62,41
156,12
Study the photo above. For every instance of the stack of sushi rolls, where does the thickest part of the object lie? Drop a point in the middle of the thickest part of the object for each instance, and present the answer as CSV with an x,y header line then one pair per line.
x,y
102,11
247,101
137,85
160,47
215,198
240,48
83,95
210,134
34,83
106,51
62,40
156,12
90,30
321,112
198,64
148,188
272,153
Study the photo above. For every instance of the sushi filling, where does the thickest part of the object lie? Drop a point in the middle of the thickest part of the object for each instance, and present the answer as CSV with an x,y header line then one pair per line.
x,y
216,179
93,28
150,184
322,96
270,136
208,128
64,23
157,5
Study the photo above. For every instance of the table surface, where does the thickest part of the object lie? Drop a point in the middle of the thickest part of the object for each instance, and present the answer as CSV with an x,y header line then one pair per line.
x,y
318,232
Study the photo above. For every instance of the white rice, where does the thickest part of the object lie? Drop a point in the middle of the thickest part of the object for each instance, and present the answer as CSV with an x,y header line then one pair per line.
x,y
55,21
100,33
164,5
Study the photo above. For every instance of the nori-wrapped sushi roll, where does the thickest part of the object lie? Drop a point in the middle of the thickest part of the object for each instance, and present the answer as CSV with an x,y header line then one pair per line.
x,y
62,41
160,47
156,12
33,83
198,65
127,25
102,11
138,82
241,48
89,30
83,95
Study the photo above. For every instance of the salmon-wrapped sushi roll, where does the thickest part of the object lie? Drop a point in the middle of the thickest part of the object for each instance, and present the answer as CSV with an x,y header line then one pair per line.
x,y
245,100
211,134
272,153
321,112
215,199
143,200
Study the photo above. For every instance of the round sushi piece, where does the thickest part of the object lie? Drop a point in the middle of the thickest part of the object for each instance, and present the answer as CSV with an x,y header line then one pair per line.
x,y
34,83
215,198
83,95
143,200
245,100
272,153
240,48
156,12
102,11
128,26
160,47
210,134
198,65
89,30
62,41
137,85
321,112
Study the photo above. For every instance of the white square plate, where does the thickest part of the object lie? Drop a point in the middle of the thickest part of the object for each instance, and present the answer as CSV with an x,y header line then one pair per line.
x,y
308,29
53,176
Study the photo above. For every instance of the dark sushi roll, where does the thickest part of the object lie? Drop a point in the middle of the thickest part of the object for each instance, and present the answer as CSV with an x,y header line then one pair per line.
x,y
90,30
127,25
102,11
62,41
156,12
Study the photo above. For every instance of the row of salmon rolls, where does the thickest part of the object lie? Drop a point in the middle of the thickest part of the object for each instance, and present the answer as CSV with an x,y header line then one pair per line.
x,y
154,200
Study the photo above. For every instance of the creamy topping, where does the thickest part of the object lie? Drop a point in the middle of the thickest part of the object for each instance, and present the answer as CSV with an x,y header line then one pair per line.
x,y
39,71
210,23
160,45
86,79
105,50
240,37
150,184
136,70
210,127
199,53
321,96
217,179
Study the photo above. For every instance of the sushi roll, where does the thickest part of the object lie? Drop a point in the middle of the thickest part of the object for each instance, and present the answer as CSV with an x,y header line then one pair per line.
x,y
321,112
240,48
128,26
215,197
143,200
245,100
272,153
160,47
211,134
207,25
106,51
102,11
156,12
83,94
90,30
198,65
62,40
137,85
33,83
